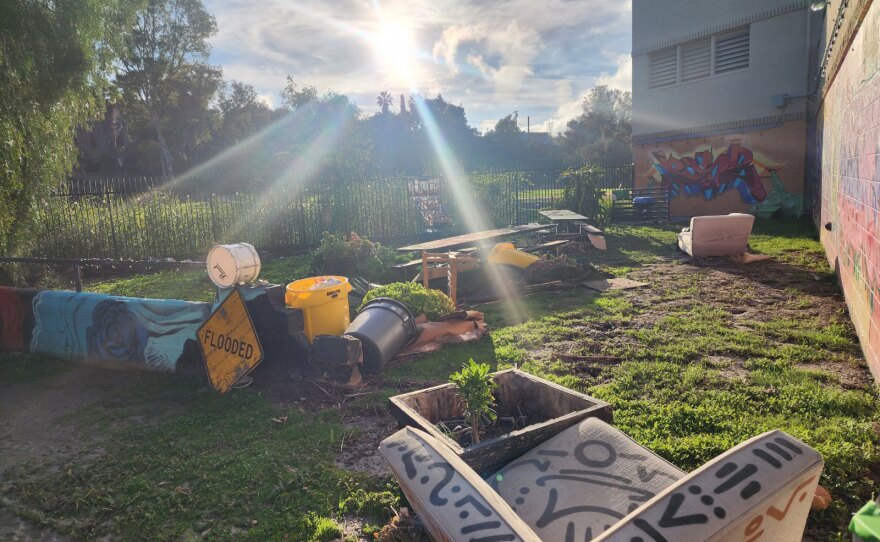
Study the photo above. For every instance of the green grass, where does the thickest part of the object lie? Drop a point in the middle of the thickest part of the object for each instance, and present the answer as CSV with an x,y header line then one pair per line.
x,y
21,368
193,284
218,468
693,379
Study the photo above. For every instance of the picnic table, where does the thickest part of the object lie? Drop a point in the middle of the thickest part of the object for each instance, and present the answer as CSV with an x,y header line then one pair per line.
x,y
569,218
455,261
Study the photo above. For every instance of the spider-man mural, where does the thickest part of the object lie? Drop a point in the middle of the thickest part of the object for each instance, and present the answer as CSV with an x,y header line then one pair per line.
x,y
709,175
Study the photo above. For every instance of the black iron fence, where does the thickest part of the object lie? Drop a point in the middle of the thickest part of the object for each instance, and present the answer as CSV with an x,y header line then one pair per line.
x,y
147,218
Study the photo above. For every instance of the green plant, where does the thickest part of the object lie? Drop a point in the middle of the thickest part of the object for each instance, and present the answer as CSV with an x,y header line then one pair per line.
x,y
356,255
583,195
418,299
475,385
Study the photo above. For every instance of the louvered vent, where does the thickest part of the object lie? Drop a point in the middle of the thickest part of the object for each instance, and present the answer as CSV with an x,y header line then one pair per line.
x,y
696,60
664,67
732,51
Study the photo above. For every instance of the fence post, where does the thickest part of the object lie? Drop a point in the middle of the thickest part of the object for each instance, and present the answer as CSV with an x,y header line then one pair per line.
x,y
112,225
213,222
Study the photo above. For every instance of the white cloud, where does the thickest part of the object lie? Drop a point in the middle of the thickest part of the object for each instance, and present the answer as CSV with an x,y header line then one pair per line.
x,y
492,57
621,79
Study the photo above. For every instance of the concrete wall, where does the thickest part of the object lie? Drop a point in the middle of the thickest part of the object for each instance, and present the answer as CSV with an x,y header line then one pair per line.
x,y
778,64
848,130
760,171
719,143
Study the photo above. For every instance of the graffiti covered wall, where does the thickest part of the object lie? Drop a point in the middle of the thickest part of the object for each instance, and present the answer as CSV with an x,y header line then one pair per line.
x,y
760,172
98,327
156,334
850,182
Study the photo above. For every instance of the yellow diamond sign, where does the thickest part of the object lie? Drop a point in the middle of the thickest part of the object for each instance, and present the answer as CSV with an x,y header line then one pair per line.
x,y
229,343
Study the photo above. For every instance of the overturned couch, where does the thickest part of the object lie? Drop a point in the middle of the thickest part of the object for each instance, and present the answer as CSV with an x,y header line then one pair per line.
x,y
592,482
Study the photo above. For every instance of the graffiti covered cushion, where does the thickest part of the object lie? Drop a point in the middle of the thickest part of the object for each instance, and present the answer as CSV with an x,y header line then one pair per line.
x,y
454,503
584,480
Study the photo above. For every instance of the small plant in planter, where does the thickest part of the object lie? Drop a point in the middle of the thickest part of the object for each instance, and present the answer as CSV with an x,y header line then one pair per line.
x,y
474,385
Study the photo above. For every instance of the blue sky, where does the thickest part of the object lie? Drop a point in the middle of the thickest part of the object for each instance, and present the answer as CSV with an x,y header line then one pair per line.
x,y
538,57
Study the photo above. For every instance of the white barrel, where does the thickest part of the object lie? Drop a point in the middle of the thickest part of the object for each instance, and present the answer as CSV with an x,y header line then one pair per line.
x,y
229,265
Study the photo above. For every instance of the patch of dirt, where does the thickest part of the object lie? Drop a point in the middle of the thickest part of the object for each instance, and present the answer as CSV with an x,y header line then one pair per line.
x,y
37,434
360,452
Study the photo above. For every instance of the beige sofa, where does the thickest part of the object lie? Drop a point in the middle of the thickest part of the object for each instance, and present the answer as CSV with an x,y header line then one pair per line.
x,y
592,482
718,235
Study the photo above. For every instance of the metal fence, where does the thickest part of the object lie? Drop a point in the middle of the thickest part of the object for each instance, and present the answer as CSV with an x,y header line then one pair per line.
x,y
146,218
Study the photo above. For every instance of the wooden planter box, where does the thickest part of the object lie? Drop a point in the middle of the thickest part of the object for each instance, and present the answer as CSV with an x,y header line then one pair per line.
x,y
564,407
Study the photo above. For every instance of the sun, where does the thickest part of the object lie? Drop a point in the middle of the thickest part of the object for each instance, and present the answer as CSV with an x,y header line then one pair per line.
x,y
394,49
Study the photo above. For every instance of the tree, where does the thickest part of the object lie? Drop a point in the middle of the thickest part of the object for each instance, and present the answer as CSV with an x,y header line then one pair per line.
x,y
604,128
54,62
507,128
384,100
162,59
242,115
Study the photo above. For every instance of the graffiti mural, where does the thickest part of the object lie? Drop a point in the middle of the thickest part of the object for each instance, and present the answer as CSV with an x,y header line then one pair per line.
x,y
709,174
850,182
114,329
593,482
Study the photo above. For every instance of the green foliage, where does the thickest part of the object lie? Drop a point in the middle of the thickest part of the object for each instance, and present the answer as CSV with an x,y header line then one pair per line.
x,y
367,503
54,61
604,127
474,384
326,530
583,195
418,299
166,82
355,255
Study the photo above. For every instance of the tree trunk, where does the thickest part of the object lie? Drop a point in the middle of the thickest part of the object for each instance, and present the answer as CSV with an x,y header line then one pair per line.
x,y
475,428
164,153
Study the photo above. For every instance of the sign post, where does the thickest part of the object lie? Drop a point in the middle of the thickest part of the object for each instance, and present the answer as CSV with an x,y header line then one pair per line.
x,y
229,343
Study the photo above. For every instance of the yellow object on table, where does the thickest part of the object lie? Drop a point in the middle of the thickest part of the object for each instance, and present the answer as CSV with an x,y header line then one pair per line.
x,y
506,253
324,302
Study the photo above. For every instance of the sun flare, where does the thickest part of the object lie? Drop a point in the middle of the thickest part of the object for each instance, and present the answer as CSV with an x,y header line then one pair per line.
x,y
395,52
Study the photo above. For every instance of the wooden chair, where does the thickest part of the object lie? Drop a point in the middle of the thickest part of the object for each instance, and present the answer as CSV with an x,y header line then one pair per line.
x,y
592,482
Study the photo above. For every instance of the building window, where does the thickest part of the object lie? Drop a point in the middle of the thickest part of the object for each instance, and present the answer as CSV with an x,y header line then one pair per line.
x,y
698,59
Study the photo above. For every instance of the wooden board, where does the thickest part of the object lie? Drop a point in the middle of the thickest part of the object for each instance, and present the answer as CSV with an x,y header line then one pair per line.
x,y
229,343
472,238
561,215
614,284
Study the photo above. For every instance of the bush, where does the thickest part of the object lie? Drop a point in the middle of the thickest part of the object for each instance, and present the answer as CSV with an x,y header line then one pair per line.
x,y
356,255
418,299
583,195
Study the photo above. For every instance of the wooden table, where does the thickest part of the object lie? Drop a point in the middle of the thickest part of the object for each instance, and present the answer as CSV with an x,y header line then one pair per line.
x,y
563,216
448,255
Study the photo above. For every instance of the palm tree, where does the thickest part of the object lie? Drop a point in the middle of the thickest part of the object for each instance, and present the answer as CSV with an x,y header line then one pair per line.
x,y
384,101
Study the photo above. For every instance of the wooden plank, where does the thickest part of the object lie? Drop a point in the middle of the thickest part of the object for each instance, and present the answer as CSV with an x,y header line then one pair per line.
x,y
546,246
472,238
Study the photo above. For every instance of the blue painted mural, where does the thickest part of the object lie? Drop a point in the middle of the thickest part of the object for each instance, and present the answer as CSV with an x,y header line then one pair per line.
x,y
115,329
156,333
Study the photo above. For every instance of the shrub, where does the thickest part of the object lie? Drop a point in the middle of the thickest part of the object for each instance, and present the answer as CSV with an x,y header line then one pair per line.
x,y
418,299
474,385
361,257
583,195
